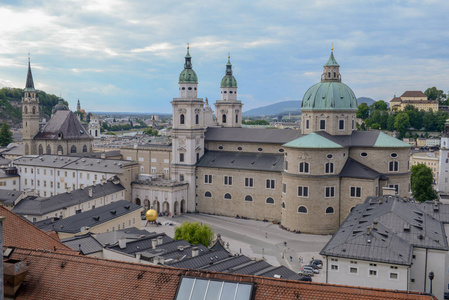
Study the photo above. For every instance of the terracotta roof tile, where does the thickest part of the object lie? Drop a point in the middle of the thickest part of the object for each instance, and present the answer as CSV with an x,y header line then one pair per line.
x,y
64,276
413,94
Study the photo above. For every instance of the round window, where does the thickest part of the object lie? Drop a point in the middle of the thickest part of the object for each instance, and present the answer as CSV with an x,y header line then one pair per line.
x,y
260,149
363,154
329,156
394,155
239,148
281,150
220,147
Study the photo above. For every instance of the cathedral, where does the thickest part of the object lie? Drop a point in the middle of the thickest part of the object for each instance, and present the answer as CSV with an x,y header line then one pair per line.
x,y
63,134
309,180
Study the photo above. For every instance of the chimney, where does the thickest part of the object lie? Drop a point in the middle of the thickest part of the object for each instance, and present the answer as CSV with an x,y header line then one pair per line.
x,y
122,243
69,190
159,240
153,243
194,251
375,225
368,230
138,256
90,192
103,155
380,199
391,191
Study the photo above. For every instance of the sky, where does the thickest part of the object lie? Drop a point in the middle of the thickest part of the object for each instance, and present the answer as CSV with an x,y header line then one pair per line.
x,y
126,55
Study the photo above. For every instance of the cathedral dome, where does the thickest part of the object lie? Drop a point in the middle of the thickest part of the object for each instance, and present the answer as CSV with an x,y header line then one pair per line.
x,y
330,93
60,106
188,75
228,80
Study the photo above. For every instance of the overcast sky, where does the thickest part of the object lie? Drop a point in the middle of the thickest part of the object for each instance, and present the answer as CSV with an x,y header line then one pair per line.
x,y
123,55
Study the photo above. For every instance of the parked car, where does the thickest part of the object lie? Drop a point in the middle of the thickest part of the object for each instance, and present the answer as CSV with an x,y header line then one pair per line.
x,y
305,278
314,268
307,270
317,262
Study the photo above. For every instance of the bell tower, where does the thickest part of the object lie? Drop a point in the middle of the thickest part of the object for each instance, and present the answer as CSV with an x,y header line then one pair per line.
x,y
188,130
228,110
30,114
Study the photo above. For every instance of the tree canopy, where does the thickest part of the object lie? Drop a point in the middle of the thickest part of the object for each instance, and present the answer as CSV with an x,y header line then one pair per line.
x,y
421,183
435,94
194,233
5,135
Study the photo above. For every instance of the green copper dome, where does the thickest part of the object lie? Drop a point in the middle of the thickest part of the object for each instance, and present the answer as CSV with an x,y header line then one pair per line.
x,y
331,62
329,95
60,106
188,75
228,80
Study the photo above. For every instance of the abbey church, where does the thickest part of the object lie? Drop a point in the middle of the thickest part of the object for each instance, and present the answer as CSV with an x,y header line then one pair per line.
x,y
309,180
63,134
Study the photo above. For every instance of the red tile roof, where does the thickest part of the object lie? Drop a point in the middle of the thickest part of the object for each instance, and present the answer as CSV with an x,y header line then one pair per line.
x,y
396,99
413,94
18,232
64,276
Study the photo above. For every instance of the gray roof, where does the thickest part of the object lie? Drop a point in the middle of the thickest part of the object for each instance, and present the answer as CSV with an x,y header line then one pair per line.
x,y
355,169
4,161
102,165
15,149
90,218
201,261
9,196
242,160
65,123
4,175
106,154
38,206
251,135
400,225
112,237
85,243
29,85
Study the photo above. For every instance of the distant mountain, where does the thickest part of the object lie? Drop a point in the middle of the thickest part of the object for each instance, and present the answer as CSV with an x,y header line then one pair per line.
x,y
292,106
366,100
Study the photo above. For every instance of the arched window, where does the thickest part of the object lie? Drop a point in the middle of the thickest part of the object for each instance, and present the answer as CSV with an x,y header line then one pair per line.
x,y
197,119
27,149
73,149
304,167
207,194
41,149
96,132
181,119
228,196
330,210
302,209
335,74
269,200
329,74
248,198
223,118
329,168
236,118
60,150
34,110
25,109
283,204
48,149
84,148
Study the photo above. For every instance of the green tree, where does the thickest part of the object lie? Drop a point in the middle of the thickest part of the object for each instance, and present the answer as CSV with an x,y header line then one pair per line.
x,y
421,183
402,123
429,121
194,233
5,135
390,122
363,111
435,94
379,105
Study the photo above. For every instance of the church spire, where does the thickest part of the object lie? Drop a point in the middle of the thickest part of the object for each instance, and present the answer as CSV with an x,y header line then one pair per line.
x,y
29,86
78,106
331,69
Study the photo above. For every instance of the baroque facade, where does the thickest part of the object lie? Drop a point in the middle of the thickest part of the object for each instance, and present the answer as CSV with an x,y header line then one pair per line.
x,y
309,180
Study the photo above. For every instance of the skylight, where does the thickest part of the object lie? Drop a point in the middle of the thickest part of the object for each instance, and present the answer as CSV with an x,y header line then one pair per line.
x,y
197,288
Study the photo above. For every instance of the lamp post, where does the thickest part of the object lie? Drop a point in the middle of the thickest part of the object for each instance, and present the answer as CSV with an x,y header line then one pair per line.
x,y
431,276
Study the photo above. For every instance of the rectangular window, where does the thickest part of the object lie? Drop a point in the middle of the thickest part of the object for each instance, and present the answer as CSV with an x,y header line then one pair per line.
x,y
88,176
166,170
73,174
329,168
152,160
394,276
58,173
341,124
141,159
26,181
307,124
395,186
153,169
51,183
228,180
303,191
45,171
393,166
330,192
372,273
249,182
45,183
207,178
353,270
334,267
181,157
271,184
166,161
38,183
322,124
95,177
181,177
65,174
284,188
59,185
356,192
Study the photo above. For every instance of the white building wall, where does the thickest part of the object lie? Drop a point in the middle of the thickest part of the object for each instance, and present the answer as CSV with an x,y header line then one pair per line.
x,y
383,278
443,176
10,183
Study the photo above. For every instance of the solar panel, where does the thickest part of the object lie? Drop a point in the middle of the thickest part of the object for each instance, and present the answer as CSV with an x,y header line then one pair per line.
x,y
192,288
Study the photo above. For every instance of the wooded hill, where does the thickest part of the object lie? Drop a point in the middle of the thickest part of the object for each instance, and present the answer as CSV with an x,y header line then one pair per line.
x,y
11,105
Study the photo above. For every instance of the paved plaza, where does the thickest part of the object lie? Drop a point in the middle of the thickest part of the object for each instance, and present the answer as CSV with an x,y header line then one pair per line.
x,y
256,239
